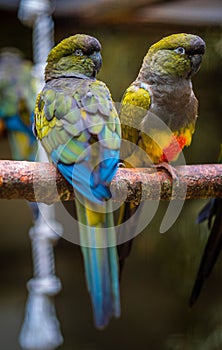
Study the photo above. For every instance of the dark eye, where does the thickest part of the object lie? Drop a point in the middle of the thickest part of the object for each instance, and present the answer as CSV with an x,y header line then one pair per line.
x,y
78,52
180,50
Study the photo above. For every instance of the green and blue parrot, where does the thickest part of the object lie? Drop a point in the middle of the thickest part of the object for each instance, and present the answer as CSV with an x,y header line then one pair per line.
x,y
212,212
159,109
17,102
77,124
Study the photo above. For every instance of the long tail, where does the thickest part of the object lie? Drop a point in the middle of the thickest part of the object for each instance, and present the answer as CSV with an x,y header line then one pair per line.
x,y
124,249
101,264
212,249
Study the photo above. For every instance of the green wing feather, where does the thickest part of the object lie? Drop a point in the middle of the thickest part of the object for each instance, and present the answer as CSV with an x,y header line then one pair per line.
x,y
134,105
17,85
17,100
74,113
70,115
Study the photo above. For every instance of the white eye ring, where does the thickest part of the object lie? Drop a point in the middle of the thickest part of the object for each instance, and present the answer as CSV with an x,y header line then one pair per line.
x,y
180,50
78,52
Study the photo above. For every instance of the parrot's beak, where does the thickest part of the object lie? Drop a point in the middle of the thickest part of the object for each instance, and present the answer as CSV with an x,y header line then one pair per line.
x,y
97,60
197,54
195,63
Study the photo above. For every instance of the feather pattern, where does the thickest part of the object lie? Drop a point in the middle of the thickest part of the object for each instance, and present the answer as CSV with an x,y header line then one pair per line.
x,y
17,102
83,142
78,125
159,110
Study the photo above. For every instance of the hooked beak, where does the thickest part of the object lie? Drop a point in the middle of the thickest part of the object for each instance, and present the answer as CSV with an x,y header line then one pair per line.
x,y
195,63
97,60
196,54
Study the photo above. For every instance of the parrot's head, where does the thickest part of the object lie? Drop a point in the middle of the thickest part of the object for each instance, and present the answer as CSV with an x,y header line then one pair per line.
x,y
175,56
78,55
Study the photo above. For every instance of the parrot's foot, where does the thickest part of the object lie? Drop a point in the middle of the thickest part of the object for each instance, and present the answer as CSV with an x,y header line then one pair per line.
x,y
121,165
171,170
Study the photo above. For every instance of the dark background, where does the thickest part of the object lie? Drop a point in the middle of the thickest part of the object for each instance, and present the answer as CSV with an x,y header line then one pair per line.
x,y
159,274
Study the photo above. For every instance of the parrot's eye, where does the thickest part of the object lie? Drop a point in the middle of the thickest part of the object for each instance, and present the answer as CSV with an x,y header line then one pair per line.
x,y
180,50
78,52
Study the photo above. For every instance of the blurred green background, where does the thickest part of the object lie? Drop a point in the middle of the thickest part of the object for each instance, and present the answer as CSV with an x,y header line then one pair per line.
x,y
159,274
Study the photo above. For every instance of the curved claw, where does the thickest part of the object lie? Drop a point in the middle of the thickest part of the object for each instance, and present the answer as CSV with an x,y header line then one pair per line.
x,y
171,170
121,165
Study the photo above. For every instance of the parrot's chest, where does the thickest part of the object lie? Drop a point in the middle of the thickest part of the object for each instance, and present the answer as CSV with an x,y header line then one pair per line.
x,y
176,106
169,123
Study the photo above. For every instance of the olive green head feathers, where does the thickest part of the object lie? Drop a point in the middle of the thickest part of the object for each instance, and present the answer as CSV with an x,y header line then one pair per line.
x,y
175,56
76,56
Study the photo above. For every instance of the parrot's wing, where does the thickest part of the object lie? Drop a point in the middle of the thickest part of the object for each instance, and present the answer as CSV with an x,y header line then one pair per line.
x,y
17,86
22,146
78,125
134,106
79,128
8,84
17,101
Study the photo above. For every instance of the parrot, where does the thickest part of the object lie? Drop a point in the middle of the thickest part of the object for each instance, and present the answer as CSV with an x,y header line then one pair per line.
x,y
158,111
17,102
212,212
18,89
77,123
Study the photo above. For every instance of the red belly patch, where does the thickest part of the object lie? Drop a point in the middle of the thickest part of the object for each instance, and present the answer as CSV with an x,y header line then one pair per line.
x,y
173,150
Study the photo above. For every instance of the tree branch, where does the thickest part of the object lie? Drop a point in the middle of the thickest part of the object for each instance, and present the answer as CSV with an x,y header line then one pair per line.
x,y
43,183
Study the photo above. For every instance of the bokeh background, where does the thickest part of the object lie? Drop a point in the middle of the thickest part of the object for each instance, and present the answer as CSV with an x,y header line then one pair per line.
x,y
159,274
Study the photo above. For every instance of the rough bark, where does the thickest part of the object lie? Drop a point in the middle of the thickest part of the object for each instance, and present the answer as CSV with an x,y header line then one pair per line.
x,y
42,182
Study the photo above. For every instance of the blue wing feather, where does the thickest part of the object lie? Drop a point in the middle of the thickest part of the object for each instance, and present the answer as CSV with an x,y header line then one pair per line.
x,y
14,123
89,171
84,179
